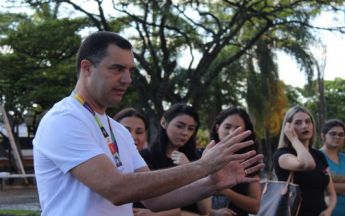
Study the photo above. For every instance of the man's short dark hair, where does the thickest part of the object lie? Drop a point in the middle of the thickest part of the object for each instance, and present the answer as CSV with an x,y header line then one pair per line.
x,y
94,47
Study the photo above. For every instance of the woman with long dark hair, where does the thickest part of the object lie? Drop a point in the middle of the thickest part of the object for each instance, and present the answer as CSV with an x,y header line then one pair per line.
x,y
241,199
175,145
137,125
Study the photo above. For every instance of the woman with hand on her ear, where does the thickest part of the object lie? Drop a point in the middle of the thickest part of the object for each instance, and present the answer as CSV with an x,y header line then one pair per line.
x,y
295,153
175,145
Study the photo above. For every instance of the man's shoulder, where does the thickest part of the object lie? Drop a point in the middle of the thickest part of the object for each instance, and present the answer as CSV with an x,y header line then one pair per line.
x,y
64,105
65,113
115,123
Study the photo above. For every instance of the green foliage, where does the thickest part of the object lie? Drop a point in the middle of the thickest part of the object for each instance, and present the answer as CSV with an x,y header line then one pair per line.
x,y
202,138
293,95
37,61
334,97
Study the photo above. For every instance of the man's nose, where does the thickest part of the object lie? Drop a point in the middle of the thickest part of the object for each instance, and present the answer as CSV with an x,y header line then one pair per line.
x,y
126,78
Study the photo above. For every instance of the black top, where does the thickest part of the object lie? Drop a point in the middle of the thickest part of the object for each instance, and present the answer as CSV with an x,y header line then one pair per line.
x,y
156,160
312,183
220,201
241,189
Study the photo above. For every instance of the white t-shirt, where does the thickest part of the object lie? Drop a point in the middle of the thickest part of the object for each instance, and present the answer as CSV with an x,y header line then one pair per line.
x,y
67,136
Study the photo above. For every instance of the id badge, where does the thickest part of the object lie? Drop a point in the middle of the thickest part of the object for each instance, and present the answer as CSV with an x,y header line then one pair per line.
x,y
118,162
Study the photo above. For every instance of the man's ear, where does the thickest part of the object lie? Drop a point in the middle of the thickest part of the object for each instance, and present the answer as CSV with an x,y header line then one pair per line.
x,y
85,67
163,123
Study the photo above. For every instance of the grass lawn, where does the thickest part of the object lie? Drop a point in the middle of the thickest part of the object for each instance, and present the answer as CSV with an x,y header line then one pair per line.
x,y
19,212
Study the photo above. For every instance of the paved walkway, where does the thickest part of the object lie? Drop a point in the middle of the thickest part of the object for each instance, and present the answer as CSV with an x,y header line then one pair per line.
x,y
19,198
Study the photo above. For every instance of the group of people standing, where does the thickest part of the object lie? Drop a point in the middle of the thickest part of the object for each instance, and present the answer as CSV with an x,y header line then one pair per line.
x,y
87,163
319,173
175,145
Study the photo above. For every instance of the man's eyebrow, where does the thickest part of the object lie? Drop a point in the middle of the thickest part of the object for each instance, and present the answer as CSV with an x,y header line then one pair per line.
x,y
122,66
117,65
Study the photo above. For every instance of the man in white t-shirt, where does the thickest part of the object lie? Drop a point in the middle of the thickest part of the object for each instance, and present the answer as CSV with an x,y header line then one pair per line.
x,y
87,164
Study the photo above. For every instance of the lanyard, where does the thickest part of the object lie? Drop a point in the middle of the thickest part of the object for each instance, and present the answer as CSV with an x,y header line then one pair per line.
x,y
112,144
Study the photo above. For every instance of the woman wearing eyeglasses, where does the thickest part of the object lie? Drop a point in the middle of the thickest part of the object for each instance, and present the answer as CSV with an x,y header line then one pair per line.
x,y
332,135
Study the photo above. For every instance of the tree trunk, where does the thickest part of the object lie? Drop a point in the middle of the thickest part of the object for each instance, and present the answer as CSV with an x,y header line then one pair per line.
x,y
320,89
268,147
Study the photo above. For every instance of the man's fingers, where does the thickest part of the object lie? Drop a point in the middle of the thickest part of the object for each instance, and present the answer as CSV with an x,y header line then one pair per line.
x,y
252,170
250,179
238,146
256,168
252,160
242,157
210,145
235,133
252,152
232,140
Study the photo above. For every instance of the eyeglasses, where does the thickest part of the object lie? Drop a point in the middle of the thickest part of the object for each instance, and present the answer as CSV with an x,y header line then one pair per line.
x,y
334,134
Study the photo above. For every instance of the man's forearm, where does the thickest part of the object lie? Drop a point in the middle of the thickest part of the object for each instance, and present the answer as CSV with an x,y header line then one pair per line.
x,y
155,183
183,196
131,187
